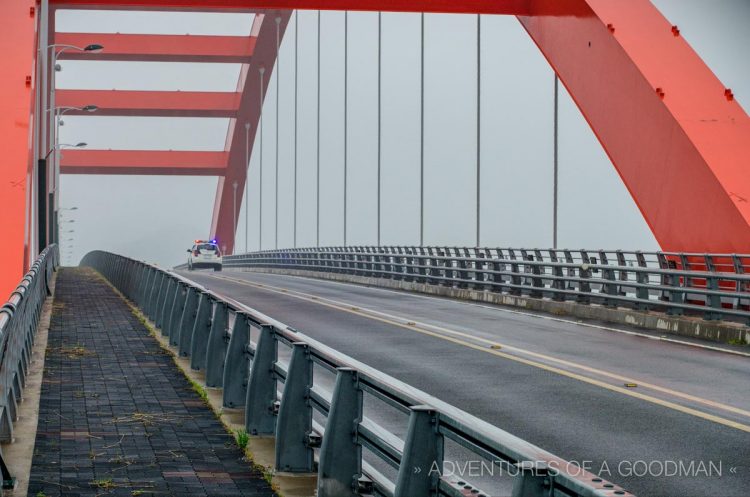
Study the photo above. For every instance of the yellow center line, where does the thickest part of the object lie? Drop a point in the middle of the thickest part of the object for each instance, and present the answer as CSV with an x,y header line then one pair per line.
x,y
420,328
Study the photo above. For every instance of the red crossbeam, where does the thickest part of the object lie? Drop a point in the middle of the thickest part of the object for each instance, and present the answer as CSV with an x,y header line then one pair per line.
x,y
151,103
509,7
163,48
144,162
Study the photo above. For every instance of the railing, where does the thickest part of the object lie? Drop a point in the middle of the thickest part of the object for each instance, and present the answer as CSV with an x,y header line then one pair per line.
x,y
713,286
19,318
251,356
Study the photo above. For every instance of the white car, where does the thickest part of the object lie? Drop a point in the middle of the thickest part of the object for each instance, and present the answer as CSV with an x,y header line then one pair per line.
x,y
204,254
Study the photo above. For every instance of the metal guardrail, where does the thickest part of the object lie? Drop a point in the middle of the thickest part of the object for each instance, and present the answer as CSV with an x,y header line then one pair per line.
x,y
19,318
713,286
216,333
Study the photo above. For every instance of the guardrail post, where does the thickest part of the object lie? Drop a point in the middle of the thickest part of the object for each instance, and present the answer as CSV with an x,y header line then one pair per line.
x,y
584,287
642,278
201,331
608,274
236,367
161,312
463,274
9,481
479,269
422,262
740,287
399,263
536,280
178,307
422,460
713,302
160,293
216,349
532,480
497,278
558,283
187,322
260,418
408,263
675,296
340,460
293,453
153,293
143,294
515,278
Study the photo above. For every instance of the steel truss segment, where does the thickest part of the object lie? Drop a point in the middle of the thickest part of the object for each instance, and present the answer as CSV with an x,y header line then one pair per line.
x,y
151,103
159,47
148,162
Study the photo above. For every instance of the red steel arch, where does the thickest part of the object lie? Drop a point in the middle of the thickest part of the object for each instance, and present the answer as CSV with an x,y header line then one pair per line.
x,y
675,134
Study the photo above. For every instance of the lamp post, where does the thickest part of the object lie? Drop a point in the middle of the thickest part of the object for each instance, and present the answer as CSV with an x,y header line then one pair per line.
x,y
45,201
54,174
65,145
54,200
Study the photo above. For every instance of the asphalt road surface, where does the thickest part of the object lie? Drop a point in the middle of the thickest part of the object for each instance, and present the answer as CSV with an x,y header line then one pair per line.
x,y
631,409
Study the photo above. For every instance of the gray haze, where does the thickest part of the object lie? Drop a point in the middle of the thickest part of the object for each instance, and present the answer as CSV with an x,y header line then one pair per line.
x,y
156,218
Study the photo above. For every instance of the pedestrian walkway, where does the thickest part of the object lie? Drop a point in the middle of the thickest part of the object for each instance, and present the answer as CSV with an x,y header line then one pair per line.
x,y
117,417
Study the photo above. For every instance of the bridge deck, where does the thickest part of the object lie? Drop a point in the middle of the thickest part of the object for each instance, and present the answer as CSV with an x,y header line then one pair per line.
x,y
116,416
555,382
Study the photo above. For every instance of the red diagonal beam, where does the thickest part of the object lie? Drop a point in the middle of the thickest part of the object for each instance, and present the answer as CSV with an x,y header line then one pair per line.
x,y
148,162
226,208
151,103
162,48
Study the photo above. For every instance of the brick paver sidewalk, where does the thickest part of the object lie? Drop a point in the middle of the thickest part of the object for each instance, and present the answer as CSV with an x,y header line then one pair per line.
x,y
116,415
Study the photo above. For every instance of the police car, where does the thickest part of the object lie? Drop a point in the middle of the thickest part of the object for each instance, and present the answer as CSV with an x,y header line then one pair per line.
x,y
204,254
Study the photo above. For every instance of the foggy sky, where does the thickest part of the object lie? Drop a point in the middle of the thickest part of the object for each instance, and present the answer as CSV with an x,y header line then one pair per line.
x,y
156,218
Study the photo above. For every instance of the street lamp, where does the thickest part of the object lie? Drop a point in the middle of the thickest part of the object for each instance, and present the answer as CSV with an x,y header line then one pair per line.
x,y
65,145
57,49
68,209
61,111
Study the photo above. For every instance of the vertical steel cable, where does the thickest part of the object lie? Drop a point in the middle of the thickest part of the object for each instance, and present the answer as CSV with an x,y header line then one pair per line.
x,y
317,167
421,137
380,36
346,107
247,187
276,195
261,70
554,186
296,69
479,127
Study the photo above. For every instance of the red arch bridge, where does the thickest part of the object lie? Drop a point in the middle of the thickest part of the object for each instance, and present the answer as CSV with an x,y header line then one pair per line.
x,y
675,134
565,370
